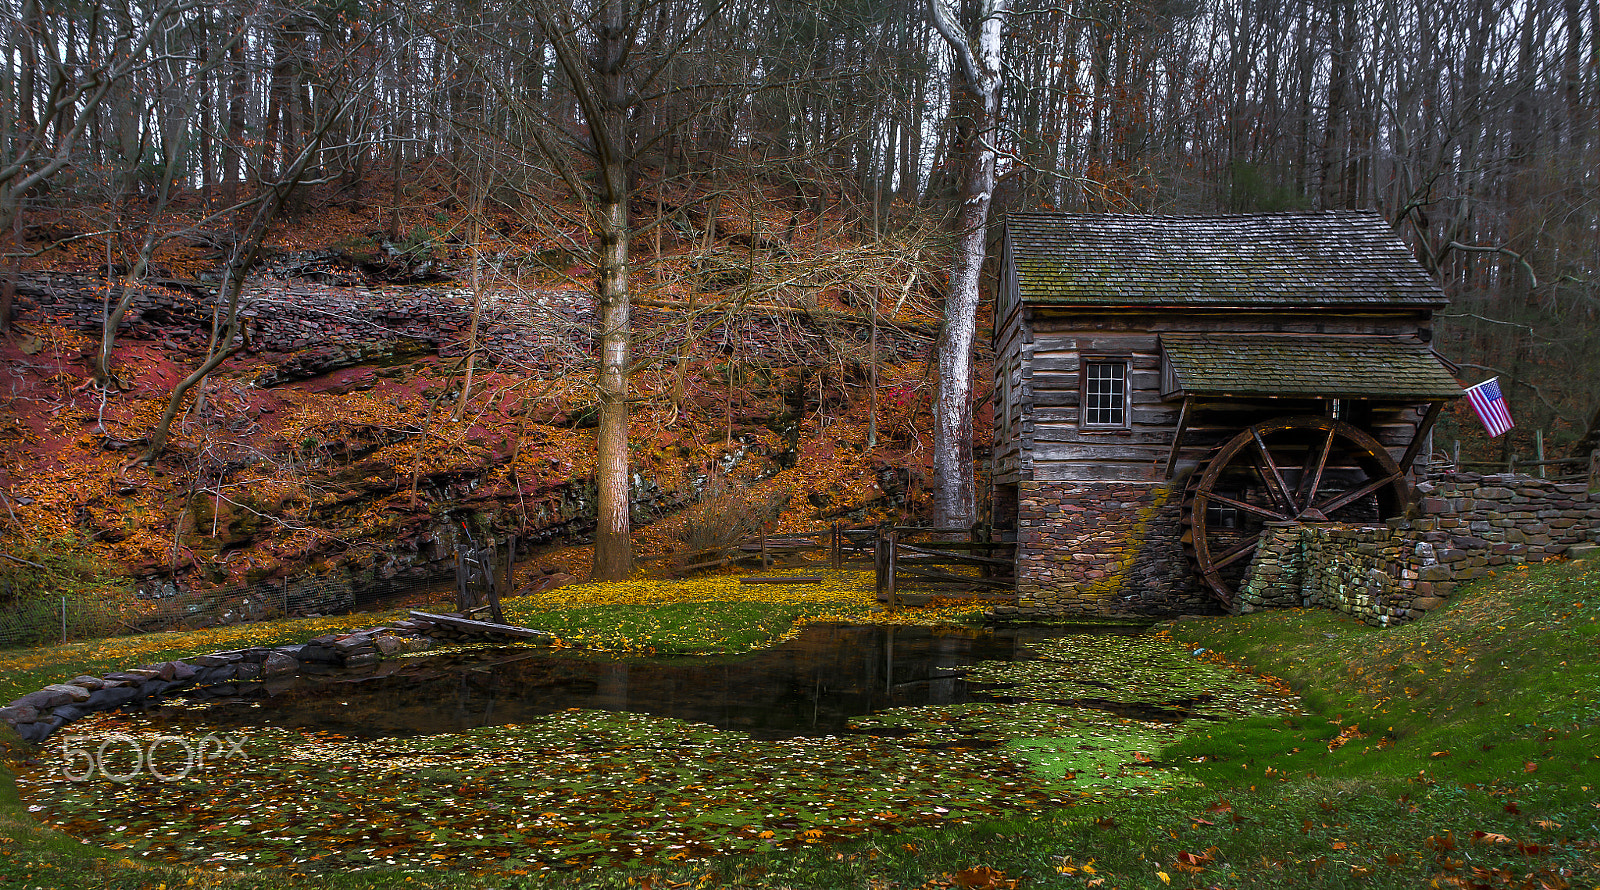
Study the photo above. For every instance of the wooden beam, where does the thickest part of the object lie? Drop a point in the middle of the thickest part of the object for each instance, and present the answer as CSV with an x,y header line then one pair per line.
x,y
1177,438
480,627
1423,428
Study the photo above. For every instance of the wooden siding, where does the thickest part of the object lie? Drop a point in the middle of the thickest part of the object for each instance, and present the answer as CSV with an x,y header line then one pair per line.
x,y
1011,454
1048,444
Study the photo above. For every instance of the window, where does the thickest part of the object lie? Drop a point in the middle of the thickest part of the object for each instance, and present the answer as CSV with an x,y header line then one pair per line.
x,y
1223,515
1105,394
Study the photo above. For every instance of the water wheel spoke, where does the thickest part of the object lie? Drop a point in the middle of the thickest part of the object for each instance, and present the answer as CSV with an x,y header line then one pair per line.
x,y
1234,554
1356,494
1253,509
1311,475
1275,483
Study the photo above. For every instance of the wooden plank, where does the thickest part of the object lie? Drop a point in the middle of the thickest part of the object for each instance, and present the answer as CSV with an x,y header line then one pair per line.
x,y
1062,471
1112,451
679,570
919,574
960,559
784,579
689,555
968,545
1160,437
480,627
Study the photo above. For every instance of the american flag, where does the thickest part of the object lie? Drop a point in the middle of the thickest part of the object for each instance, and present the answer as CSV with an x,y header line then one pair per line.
x,y
1490,406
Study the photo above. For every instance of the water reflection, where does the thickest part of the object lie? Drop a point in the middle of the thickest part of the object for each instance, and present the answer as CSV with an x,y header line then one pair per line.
x,y
812,685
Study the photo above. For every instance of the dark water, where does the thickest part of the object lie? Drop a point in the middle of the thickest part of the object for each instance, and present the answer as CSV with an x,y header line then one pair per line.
x,y
812,685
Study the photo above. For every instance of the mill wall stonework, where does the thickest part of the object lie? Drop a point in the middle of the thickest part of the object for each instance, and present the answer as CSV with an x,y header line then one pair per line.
x,y
1101,549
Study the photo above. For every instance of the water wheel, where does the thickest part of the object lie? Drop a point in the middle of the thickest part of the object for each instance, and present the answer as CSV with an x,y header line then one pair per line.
x,y
1307,469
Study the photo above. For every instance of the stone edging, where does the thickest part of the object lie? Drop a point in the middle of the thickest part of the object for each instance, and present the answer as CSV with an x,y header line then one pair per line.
x,y
38,714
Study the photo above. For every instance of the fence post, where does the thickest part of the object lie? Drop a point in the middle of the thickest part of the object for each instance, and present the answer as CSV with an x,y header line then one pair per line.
x,y
891,551
461,582
63,619
764,562
880,591
833,547
511,566
494,583
1538,450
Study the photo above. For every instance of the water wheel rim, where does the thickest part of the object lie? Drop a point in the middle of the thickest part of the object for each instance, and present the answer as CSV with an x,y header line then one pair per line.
x,y
1384,476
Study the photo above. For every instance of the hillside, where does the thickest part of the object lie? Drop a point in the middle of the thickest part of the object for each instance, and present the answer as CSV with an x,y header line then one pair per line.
x,y
336,439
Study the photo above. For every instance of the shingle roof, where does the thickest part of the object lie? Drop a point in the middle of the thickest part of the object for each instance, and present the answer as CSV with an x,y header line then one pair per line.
x,y
1289,366
1288,259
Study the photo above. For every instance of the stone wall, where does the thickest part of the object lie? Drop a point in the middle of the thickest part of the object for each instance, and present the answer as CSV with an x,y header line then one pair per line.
x,y
38,714
1461,529
1101,549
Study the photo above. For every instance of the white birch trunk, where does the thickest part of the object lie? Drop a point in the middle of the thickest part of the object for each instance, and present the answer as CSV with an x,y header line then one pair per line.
x,y
975,85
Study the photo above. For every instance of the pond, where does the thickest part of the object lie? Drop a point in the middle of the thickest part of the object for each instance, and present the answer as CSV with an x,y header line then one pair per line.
x,y
812,685
519,760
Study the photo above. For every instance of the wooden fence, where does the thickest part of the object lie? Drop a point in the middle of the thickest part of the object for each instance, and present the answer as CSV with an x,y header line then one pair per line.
x,y
767,548
932,562
913,564
1560,469
483,576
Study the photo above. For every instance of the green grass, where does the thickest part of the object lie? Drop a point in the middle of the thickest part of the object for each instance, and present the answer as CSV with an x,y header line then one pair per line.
x,y
1460,750
675,628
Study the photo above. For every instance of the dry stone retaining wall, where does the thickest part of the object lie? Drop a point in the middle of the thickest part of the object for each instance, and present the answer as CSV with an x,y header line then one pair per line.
x,y
1462,529
38,714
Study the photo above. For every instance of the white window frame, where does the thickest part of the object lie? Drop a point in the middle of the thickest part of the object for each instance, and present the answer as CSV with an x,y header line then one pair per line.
x,y
1123,393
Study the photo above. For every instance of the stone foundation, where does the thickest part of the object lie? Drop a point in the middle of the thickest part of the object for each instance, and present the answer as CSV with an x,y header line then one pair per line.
x,y
1103,549
1460,531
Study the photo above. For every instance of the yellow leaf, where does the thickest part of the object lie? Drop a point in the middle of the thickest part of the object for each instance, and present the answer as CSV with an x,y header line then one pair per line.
x,y
1165,878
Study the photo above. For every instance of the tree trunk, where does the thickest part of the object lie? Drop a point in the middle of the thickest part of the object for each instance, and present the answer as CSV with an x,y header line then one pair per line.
x,y
10,267
977,78
613,547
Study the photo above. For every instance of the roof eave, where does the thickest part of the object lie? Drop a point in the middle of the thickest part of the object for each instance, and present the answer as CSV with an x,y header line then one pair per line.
x,y
1253,304
1371,397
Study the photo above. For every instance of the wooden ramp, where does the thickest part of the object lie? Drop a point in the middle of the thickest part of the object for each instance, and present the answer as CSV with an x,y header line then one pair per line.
x,y
468,627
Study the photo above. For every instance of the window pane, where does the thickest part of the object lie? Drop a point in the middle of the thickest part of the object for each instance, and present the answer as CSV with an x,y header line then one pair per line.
x,y
1105,401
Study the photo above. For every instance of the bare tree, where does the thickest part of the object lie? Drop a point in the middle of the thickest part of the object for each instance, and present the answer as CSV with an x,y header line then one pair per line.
x,y
47,102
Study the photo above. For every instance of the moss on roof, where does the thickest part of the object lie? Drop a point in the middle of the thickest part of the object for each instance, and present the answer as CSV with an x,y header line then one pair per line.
x,y
1286,259
1291,366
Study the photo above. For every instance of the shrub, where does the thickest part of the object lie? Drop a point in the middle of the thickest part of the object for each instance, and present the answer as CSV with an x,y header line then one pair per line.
x,y
723,515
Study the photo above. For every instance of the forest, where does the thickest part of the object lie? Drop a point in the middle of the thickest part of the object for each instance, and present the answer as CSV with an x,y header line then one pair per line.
x,y
815,174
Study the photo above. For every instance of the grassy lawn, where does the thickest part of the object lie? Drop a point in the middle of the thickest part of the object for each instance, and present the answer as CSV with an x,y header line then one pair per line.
x,y
1462,750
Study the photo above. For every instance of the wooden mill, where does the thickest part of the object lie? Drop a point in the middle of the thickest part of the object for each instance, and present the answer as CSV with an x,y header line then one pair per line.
x,y
1168,385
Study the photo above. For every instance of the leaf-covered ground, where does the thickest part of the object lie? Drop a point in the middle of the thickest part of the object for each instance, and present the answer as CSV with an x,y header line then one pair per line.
x,y
1459,751
592,788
